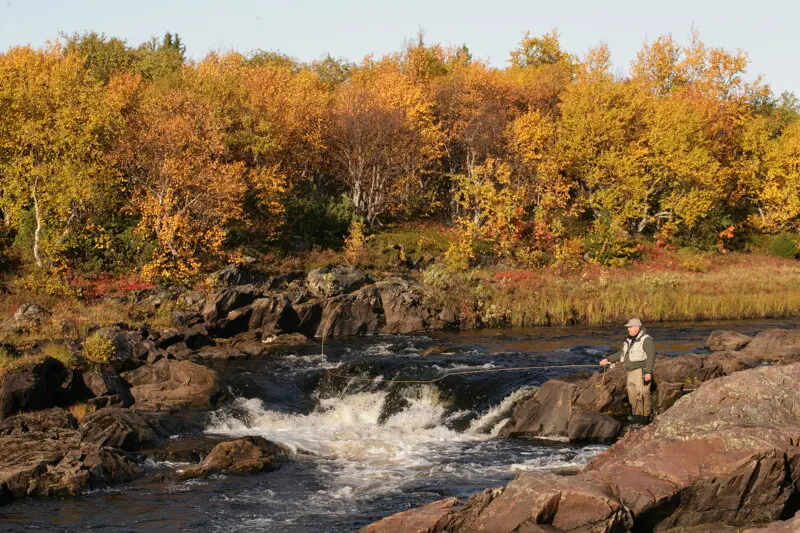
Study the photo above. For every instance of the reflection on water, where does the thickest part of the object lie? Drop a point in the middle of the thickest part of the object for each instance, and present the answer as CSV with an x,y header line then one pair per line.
x,y
377,448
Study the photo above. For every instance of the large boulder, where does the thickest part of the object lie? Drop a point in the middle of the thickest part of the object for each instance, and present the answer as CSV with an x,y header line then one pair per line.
x,y
168,383
552,412
359,313
776,345
48,459
122,428
725,454
273,316
38,386
721,340
335,280
125,343
248,455
234,275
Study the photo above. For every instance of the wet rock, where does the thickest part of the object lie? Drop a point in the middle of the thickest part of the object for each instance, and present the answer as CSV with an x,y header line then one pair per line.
x,y
336,280
437,349
43,456
726,340
553,412
419,520
249,455
122,428
169,383
39,386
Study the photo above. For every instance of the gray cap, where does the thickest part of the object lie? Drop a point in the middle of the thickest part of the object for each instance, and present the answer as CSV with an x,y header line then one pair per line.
x,y
633,322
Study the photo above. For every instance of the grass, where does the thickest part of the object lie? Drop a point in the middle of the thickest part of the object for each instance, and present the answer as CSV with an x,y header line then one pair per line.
x,y
60,353
80,411
735,287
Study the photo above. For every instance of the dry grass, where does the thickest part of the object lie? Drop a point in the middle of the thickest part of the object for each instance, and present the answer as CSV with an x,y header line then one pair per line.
x,y
80,411
734,288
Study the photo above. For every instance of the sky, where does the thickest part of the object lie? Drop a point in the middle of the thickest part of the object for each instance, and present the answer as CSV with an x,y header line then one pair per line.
x,y
767,30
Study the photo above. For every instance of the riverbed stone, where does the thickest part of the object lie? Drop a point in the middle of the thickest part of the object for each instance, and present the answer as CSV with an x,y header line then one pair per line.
x,y
248,455
720,340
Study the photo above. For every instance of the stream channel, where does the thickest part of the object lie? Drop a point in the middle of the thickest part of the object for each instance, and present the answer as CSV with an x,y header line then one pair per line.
x,y
375,448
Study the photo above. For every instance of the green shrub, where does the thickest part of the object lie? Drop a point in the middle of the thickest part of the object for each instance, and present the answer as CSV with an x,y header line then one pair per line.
x,y
784,245
98,348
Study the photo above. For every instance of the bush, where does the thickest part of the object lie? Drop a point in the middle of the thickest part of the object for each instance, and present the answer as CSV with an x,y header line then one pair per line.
x,y
318,218
694,260
784,245
98,348
60,353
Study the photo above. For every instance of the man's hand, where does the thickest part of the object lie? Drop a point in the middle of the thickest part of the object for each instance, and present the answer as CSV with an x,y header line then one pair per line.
x,y
604,362
647,378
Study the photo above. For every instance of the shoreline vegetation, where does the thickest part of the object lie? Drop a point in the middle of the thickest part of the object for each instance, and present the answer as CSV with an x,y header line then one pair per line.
x,y
550,191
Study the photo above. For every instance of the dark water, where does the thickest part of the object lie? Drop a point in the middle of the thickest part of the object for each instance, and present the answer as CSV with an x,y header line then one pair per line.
x,y
377,448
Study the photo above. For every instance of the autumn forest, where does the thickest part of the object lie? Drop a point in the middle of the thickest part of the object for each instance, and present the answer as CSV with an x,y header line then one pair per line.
x,y
116,157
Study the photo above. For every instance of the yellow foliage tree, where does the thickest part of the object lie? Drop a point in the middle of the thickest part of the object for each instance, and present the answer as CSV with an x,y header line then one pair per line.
x,y
56,128
181,179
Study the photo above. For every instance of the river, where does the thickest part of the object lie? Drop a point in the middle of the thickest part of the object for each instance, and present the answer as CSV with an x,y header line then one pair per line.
x,y
367,448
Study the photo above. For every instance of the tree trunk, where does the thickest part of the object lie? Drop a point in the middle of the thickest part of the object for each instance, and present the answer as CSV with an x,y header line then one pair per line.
x,y
38,231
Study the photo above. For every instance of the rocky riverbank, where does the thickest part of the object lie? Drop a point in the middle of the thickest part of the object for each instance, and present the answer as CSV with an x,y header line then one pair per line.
x,y
722,457
721,452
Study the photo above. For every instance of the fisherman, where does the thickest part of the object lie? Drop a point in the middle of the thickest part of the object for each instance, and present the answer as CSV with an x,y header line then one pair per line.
x,y
638,355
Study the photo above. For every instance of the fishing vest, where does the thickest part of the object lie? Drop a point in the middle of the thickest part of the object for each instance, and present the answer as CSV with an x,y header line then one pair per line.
x,y
633,352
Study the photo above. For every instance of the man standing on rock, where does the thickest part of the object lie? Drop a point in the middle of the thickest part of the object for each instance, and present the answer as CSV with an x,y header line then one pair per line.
x,y
638,355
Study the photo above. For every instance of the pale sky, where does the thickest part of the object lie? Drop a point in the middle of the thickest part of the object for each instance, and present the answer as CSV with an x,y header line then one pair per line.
x,y
768,30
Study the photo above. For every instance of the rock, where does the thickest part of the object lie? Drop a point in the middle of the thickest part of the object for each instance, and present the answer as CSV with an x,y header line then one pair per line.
x,y
219,304
235,322
49,422
121,428
249,455
110,386
125,342
39,386
332,281
233,275
720,340
43,456
35,465
541,501
169,383
437,349
359,313
197,337
419,520
402,307
553,412
788,526
273,316
27,317
725,454
775,345
167,338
